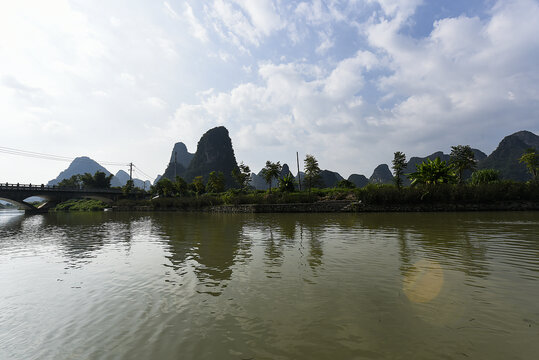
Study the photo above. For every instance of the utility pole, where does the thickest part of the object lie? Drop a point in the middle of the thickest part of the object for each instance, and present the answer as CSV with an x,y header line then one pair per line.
x,y
175,165
130,171
299,177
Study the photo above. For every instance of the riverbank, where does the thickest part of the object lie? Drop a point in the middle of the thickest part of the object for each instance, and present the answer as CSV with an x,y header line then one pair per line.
x,y
503,196
345,206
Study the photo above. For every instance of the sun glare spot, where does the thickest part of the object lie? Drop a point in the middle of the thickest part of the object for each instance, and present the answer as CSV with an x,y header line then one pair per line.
x,y
424,281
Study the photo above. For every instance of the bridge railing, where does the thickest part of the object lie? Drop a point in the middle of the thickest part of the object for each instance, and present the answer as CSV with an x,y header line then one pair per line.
x,y
43,187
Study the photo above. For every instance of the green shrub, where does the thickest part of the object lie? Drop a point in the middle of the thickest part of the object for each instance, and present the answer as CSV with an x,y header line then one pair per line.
x,y
81,205
485,176
346,184
186,203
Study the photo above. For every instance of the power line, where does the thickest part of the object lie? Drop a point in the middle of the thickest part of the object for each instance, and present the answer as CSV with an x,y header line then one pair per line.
x,y
38,155
142,172
32,154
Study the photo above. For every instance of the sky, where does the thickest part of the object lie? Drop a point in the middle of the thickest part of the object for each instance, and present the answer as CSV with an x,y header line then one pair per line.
x,y
348,81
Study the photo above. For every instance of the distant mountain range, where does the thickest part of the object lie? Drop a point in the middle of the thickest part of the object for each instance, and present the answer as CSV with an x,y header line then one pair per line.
x,y
215,153
258,182
121,177
79,166
84,164
504,159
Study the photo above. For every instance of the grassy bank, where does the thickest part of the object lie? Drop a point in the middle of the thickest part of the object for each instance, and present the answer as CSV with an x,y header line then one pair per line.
x,y
371,195
375,195
81,205
449,193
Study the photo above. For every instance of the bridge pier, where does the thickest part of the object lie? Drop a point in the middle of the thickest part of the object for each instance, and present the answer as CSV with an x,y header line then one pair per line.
x,y
38,210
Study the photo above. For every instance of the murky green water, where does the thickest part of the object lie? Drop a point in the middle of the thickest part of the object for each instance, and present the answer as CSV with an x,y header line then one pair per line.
x,y
279,286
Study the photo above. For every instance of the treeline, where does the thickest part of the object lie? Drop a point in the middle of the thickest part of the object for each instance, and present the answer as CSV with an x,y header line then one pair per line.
x,y
462,158
99,180
430,172
433,182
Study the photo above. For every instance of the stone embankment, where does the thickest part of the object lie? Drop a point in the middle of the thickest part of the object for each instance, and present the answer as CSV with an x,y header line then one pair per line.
x,y
348,206
355,206
321,206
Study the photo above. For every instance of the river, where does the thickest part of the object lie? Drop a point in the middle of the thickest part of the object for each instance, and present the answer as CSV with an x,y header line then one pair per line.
x,y
269,286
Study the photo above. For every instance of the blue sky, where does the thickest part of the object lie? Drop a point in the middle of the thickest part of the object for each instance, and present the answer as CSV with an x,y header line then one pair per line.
x,y
350,82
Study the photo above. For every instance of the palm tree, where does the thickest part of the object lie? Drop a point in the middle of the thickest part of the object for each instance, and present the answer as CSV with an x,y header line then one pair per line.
x,y
242,175
432,173
287,183
271,171
312,171
399,163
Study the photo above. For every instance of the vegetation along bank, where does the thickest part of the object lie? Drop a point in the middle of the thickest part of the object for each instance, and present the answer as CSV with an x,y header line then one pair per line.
x,y
432,184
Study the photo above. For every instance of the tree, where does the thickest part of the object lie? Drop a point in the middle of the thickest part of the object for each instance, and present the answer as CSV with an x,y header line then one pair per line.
x,y
432,173
164,187
99,180
531,159
242,175
128,187
72,182
287,183
312,171
198,185
399,164
216,182
180,186
271,171
462,158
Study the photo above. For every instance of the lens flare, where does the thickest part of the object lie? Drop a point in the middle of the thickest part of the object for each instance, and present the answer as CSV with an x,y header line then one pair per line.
x,y
424,281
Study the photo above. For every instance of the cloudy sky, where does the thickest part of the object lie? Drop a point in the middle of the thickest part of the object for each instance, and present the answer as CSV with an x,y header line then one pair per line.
x,y
349,81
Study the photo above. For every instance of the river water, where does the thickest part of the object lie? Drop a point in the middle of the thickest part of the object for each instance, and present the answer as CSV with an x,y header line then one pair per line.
x,y
269,286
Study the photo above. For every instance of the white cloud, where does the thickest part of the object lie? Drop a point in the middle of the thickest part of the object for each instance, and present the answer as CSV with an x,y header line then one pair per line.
x,y
156,102
225,56
263,15
167,46
344,80
128,79
400,9
319,12
245,23
313,12
100,93
114,21
67,68
196,29
326,43
436,91
296,103
233,25
170,11
461,74
294,33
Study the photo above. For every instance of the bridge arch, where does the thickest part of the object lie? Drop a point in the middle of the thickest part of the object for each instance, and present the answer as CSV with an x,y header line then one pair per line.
x,y
21,204
17,194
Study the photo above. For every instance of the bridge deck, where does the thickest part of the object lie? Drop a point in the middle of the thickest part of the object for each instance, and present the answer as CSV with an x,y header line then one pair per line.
x,y
54,188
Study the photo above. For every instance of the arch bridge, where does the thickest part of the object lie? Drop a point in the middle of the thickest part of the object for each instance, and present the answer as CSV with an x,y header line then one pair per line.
x,y
53,195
